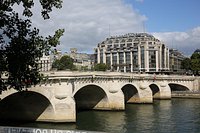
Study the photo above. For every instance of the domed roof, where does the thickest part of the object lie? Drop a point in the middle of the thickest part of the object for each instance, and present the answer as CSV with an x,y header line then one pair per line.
x,y
197,51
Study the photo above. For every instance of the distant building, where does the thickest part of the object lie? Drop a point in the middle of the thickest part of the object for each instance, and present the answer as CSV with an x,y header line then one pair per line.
x,y
45,63
176,58
81,60
133,52
197,51
57,54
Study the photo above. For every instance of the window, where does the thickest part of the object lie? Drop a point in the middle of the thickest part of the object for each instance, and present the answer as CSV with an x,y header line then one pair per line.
x,y
152,59
116,41
122,45
135,44
108,59
101,55
110,41
151,47
121,58
114,58
109,46
123,41
135,60
129,44
128,59
129,40
116,45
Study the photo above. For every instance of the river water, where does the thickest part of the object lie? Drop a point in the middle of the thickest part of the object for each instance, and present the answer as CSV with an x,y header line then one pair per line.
x,y
165,116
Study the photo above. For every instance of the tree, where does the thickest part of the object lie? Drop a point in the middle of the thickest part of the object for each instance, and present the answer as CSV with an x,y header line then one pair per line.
x,y
64,63
56,64
84,68
195,63
20,44
100,67
186,64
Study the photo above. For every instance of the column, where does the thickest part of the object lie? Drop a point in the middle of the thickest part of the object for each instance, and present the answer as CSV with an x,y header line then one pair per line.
x,y
157,60
160,57
131,58
124,61
139,58
98,55
165,61
104,55
168,59
146,51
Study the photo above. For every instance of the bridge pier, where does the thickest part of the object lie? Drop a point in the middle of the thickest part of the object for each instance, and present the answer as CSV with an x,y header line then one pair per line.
x,y
138,93
115,95
116,101
162,95
160,90
62,105
145,93
65,110
62,111
146,96
165,91
143,97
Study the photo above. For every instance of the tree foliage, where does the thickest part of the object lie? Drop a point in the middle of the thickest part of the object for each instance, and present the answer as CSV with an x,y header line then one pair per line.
x,y
21,46
100,67
195,63
186,64
192,63
64,63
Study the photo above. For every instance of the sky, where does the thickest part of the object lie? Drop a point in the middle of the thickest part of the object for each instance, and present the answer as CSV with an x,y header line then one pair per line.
x,y
175,22
89,22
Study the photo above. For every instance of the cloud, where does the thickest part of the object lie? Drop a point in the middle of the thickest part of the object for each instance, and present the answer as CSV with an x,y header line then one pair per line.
x,y
187,42
87,22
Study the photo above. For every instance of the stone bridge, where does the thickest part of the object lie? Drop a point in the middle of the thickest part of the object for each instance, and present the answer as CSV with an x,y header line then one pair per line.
x,y
61,94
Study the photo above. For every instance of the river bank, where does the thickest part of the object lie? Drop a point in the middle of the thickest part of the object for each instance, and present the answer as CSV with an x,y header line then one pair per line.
x,y
185,94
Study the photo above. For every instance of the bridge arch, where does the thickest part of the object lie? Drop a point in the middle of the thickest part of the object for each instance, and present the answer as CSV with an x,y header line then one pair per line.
x,y
25,106
155,91
90,97
131,94
178,87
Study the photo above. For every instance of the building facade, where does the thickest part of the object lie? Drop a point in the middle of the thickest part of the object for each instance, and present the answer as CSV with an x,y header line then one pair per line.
x,y
133,52
45,63
176,58
81,60
197,51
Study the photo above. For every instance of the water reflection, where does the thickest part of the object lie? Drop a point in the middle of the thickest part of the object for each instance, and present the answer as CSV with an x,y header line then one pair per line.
x,y
107,121
150,117
186,115
163,117
143,113
166,116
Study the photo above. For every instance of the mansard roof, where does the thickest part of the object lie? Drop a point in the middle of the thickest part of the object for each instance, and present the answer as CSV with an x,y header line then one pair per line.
x,y
129,37
197,51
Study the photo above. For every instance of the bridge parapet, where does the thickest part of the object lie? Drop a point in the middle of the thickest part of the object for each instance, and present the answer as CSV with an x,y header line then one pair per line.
x,y
68,77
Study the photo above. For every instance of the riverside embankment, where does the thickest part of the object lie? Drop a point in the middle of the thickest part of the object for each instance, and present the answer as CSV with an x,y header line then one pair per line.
x,y
186,94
